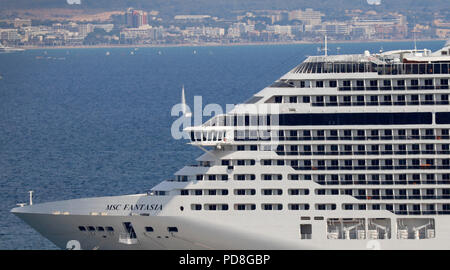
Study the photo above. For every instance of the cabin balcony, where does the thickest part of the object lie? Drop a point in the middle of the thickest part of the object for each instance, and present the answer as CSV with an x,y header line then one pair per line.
x,y
127,239
210,136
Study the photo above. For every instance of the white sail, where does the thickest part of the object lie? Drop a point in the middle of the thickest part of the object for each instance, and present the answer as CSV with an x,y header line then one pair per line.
x,y
183,104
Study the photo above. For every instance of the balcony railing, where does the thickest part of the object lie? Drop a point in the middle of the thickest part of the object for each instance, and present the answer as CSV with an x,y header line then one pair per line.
x,y
382,182
396,88
361,153
370,167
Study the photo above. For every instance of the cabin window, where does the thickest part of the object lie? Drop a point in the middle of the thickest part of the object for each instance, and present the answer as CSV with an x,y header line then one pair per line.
x,y
305,231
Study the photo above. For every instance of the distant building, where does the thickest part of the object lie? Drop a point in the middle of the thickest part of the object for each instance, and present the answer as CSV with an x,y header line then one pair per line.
x,y
85,29
9,35
308,16
192,17
18,22
380,27
215,32
146,32
443,33
337,28
135,18
107,27
275,18
237,29
280,29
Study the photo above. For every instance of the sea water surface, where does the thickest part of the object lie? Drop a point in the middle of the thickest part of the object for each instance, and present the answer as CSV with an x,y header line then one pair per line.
x,y
80,123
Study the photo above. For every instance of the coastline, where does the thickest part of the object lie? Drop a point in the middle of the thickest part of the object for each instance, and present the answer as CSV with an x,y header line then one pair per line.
x,y
216,44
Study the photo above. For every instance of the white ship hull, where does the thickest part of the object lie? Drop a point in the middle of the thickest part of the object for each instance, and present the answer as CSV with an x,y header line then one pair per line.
x,y
255,231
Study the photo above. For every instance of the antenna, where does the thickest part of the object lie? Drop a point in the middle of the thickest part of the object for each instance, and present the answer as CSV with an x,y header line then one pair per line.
x,y
414,35
325,48
415,41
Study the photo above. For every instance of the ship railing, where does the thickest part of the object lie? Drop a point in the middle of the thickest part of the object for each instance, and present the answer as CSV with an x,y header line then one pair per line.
x,y
363,138
389,88
418,212
384,182
382,103
349,153
368,167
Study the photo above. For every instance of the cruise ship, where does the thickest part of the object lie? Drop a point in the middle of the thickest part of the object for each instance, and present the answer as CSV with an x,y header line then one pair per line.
x,y
341,152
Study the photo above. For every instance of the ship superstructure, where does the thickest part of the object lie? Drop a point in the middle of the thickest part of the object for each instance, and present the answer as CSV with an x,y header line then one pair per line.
x,y
342,152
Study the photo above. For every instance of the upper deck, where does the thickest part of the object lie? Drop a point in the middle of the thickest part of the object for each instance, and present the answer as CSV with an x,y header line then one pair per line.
x,y
399,62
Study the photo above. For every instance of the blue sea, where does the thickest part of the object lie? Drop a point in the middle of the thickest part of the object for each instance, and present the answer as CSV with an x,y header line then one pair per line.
x,y
80,123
